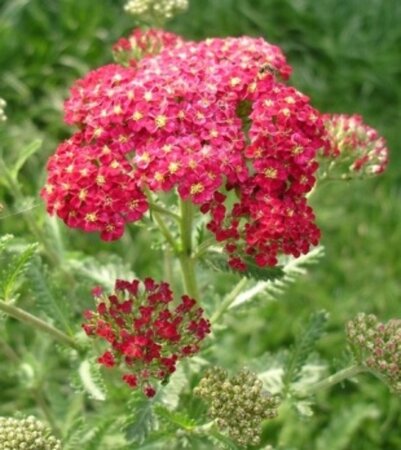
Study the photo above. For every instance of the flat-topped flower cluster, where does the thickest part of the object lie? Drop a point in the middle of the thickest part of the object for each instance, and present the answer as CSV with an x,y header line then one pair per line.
x,y
205,119
211,121
147,336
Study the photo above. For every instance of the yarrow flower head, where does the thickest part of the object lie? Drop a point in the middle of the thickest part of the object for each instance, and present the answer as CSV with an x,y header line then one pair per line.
x,y
354,150
147,336
237,404
155,11
26,434
211,122
377,346
3,116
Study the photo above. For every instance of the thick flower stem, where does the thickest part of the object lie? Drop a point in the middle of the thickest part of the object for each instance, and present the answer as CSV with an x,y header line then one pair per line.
x,y
336,378
38,324
189,276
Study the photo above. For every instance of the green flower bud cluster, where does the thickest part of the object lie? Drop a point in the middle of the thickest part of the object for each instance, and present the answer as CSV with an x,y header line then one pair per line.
x,y
3,116
237,404
26,434
157,11
377,346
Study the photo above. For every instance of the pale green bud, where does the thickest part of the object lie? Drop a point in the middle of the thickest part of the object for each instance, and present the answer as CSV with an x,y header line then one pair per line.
x,y
26,434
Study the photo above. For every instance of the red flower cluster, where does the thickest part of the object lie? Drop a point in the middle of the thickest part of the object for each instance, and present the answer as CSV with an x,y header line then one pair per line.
x,y
209,120
355,148
146,335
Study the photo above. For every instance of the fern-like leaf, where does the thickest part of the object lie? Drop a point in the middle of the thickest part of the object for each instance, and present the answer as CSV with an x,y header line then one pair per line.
x,y
4,241
92,380
11,277
176,419
104,274
304,346
142,420
45,298
292,270
23,157
218,262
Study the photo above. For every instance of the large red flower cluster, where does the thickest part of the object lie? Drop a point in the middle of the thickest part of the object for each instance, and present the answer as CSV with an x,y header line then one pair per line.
x,y
146,335
212,121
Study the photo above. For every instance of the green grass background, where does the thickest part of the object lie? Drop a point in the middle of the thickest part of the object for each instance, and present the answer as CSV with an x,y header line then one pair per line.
x,y
346,56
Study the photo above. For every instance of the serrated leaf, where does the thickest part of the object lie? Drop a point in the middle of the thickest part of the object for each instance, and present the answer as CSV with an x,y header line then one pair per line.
x,y
91,379
170,394
175,418
222,439
304,408
104,274
44,297
16,267
23,157
304,346
142,421
4,240
218,262
292,268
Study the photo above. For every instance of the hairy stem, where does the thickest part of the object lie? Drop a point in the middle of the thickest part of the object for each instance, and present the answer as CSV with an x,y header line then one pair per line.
x,y
330,381
38,324
155,207
228,300
165,231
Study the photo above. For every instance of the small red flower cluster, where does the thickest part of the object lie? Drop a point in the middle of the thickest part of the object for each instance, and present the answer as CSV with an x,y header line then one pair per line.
x,y
145,334
356,148
209,120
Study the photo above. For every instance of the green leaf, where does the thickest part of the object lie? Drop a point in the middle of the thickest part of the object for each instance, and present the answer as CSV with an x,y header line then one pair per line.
x,y
170,394
23,156
222,439
11,276
304,346
177,419
345,423
292,268
92,380
46,300
218,262
4,241
102,273
142,420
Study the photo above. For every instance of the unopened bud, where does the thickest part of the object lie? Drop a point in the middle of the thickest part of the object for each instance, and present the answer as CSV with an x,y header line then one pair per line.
x,y
377,346
27,434
238,404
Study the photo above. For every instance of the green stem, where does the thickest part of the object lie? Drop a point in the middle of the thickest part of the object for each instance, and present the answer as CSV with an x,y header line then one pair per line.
x,y
228,300
189,276
330,381
37,323
187,263
165,231
203,247
155,207
186,227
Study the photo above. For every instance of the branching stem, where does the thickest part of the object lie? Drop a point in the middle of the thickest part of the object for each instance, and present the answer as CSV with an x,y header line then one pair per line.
x,y
330,381
38,324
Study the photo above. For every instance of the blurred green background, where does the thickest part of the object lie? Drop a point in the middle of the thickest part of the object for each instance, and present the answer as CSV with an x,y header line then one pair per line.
x,y
347,57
